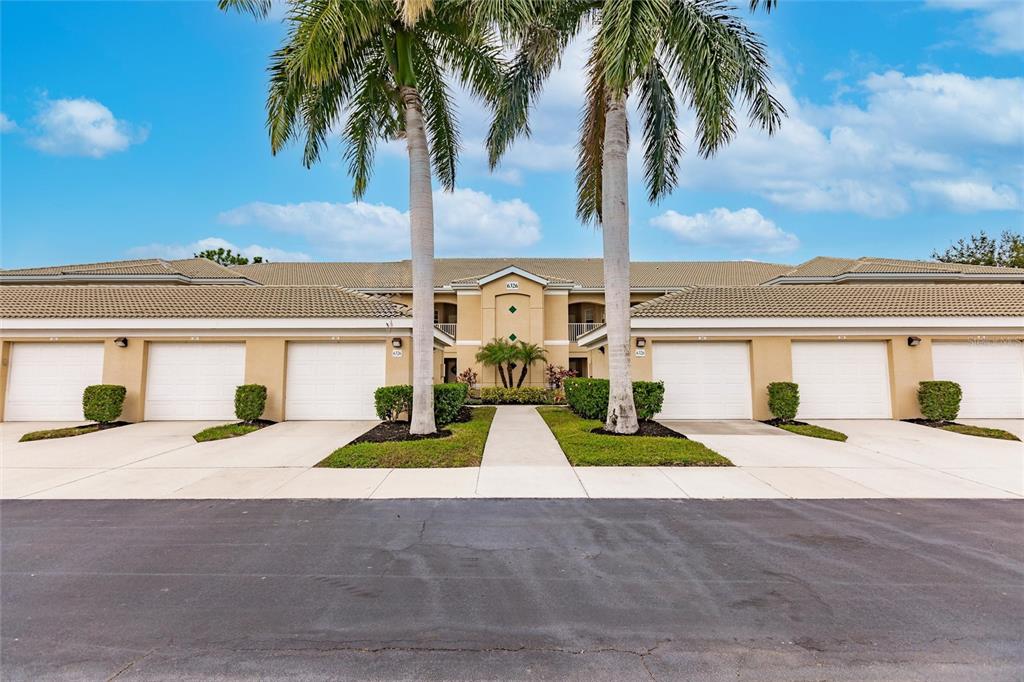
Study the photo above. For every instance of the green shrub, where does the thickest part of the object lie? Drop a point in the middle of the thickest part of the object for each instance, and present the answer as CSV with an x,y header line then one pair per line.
x,y
523,395
103,402
391,402
939,400
784,399
589,398
448,402
648,396
250,400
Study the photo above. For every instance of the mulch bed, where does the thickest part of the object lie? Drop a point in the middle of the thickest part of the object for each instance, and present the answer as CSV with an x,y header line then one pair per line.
x,y
650,428
934,425
783,422
104,427
392,432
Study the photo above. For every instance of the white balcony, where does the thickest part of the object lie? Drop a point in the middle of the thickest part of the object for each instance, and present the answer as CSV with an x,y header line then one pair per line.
x,y
447,327
578,329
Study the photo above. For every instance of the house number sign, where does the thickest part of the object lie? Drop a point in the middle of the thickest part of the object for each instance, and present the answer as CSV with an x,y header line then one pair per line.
x,y
641,352
397,353
512,285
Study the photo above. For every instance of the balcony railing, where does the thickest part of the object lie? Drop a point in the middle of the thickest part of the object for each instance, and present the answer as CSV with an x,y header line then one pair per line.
x,y
578,329
447,327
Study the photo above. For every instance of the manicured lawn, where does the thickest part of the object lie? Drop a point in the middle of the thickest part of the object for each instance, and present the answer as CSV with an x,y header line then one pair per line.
x,y
982,431
225,431
59,433
584,448
464,448
814,431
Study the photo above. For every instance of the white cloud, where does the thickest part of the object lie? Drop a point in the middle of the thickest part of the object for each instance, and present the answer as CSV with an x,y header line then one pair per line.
x,y
82,127
7,124
966,195
745,229
465,222
178,251
998,24
866,159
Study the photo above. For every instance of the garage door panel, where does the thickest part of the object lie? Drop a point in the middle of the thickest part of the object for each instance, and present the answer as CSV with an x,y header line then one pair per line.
x,y
842,379
990,374
193,380
333,380
46,380
704,380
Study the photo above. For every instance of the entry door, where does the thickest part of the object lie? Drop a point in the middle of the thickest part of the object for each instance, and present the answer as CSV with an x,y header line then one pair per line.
x,y
842,379
46,380
193,380
990,374
333,380
704,380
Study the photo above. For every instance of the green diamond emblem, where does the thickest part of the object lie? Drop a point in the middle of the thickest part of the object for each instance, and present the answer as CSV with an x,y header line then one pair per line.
x,y
512,337
511,308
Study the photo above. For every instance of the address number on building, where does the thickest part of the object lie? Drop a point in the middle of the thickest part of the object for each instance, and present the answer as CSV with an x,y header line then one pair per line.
x,y
641,352
511,285
396,353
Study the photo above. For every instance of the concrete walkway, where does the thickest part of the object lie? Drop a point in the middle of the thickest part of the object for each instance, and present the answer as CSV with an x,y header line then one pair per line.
x,y
523,459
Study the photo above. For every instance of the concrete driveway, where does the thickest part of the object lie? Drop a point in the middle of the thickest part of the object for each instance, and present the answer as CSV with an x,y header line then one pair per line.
x,y
161,459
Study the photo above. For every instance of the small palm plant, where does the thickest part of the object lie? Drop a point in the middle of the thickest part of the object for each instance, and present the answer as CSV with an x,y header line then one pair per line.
x,y
528,353
501,354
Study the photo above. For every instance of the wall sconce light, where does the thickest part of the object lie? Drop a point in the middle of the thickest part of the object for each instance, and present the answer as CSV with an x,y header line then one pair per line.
x,y
121,342
913,341
601,349
396,343
641,342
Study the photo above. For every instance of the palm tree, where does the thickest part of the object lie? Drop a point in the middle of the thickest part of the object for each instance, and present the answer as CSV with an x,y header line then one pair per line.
x,y
659,50
501,354
528,353
381,67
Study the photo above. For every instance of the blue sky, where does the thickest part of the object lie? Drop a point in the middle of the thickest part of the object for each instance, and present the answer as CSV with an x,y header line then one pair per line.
x,y
137,129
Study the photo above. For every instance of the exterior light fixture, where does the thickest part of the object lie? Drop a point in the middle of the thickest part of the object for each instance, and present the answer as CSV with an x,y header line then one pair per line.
x,y
121,342
601,349
396,343
913,341
641,342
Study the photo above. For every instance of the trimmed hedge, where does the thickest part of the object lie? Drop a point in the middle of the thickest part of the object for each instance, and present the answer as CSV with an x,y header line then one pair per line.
x,y
103,402
524,395
250,400
939,400
391,402
784,399
589,398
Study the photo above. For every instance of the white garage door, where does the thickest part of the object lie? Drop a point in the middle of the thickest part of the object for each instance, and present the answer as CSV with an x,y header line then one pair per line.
x,y
333,380
46,380
991,376
842,379
193,380
704,380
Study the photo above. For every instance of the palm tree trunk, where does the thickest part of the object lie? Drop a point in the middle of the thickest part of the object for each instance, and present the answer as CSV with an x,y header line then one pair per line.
x,y
501,371
615,229
421,220
522,375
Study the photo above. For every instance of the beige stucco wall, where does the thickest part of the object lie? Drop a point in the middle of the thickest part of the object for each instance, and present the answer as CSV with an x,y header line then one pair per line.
x,y
266,361
127,367
771,360
5,363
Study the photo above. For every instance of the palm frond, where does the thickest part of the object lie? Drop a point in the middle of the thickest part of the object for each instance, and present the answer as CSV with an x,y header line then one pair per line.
x,y
438,114
630,32
662,146
372,115
258,8
590,148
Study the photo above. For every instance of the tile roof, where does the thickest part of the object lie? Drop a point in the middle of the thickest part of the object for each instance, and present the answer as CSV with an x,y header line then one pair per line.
x,y
201,301
585,272
841,300
191,268
824,266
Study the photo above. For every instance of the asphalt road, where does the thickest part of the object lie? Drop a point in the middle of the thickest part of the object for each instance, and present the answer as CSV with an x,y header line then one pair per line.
x,y
484,589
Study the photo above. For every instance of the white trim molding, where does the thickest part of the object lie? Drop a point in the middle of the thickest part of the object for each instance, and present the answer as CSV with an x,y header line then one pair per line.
x,y
556,342
468,342
512,270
